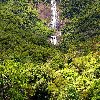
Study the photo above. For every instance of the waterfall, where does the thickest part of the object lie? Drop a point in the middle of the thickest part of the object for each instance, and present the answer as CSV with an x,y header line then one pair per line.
x,y
53,20
53,14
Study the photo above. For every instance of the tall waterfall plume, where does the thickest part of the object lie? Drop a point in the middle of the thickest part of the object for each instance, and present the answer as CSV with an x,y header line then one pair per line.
x,y
53,14
54,22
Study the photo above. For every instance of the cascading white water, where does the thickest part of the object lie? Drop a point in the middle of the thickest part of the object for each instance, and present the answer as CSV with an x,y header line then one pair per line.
x,y
53,14
53,20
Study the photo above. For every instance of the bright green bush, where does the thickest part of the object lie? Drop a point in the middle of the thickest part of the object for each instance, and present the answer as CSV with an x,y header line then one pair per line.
x,y
77,80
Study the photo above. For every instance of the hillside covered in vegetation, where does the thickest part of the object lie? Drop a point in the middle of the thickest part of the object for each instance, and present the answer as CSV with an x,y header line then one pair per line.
x,y
31,68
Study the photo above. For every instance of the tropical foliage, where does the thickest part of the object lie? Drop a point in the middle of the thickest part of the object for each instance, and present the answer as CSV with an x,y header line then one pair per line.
x,y
33,69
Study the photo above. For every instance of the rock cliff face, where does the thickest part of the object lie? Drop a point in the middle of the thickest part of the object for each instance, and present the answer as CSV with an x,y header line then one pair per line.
x,y
44,11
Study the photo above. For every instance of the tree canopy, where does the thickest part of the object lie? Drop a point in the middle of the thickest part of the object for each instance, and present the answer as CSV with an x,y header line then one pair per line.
x,y
33,69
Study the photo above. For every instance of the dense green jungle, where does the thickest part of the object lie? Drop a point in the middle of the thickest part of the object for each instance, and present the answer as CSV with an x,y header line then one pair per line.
x,y
31,68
